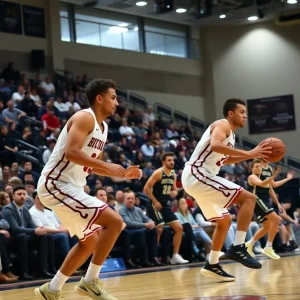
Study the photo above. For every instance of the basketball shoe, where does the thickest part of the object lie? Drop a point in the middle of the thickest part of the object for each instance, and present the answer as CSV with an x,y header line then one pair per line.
x,y
270,253
216,272
43,293
249,247
239,253
93,290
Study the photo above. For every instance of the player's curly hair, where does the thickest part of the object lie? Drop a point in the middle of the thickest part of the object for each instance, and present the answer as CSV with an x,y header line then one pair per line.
x,y
98,87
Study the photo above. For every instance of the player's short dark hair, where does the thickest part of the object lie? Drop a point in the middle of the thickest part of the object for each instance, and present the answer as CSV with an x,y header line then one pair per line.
x,y
98,87
100,189
255,161
166,154
231,105
18,187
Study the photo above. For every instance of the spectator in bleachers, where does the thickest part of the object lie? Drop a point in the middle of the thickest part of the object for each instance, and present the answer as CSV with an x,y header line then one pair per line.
x,y
29,187
25,82
62,107
35,97
8,147
149,116
27,167
73,106
148,170
126,130
147,150
5,275
119,199
171,132
2,119
13,133
48,87
139,159
142,230
49,105
18,96
40,140
9,190
12,114
28,106
4,89
50,121
4,200
25,233
27,136
49,150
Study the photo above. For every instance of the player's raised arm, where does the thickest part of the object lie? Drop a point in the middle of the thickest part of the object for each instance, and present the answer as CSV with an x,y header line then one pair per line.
x,y
254,180
79,127
156,176
278,183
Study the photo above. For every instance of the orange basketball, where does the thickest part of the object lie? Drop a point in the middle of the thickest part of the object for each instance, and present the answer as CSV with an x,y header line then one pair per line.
x,y
278,149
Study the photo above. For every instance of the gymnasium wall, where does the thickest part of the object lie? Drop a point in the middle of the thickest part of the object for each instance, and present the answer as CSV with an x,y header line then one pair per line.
x,y
171,80
250,62
17,48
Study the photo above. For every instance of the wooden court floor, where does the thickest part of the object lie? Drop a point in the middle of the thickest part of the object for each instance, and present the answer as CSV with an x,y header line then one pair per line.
x,y
278,279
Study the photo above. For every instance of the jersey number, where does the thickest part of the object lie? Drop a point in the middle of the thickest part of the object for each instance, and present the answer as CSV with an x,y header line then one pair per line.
x,y
167,189
220,163
88,169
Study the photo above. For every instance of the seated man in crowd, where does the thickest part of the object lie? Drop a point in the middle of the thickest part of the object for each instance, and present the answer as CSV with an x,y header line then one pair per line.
x,y
46,219
142,230
25,234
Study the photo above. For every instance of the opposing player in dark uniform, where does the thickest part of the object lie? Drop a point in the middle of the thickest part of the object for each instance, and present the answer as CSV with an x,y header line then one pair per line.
x,y
260,182
161,188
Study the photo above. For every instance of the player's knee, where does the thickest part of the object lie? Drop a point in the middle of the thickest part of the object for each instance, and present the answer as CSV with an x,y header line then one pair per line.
x,y
224,222
159,230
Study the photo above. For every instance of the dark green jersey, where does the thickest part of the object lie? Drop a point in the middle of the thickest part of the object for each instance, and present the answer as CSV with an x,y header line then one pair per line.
x,y
162,188
263,192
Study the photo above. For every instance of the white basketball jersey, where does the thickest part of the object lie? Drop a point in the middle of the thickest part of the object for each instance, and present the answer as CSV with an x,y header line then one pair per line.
x,y
58,168
203,158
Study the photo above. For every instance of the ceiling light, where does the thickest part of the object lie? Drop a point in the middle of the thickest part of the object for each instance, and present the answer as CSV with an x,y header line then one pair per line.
x,y
292,1
180,10
123,24
135,28
222,16
116,29
253,18
141,3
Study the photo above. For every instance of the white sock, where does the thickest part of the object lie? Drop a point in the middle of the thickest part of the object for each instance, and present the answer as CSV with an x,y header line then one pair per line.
x,y
251,241
214,257
92,272
269,244
239,237
57,282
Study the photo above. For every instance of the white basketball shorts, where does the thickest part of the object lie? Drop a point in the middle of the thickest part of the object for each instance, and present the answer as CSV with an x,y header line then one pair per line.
x,y
74,208
212,193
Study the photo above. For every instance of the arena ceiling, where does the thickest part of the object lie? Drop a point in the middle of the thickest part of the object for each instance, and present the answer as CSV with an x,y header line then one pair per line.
x,y
201,12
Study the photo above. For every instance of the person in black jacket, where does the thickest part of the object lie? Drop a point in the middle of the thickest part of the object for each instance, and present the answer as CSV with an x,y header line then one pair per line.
x,y
25,235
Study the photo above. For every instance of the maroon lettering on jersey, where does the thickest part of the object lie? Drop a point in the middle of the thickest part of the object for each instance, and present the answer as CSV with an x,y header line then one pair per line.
x,y
96,143
90,144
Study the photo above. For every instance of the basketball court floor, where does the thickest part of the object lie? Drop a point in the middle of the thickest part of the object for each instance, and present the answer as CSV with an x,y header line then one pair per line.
x,y
278,279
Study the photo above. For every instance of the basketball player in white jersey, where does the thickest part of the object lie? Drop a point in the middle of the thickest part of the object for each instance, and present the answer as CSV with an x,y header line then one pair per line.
x,y
214,194
78,153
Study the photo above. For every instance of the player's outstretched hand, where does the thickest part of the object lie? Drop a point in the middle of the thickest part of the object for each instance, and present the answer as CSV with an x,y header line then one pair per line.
x,y
290,175
116,170
262,150
133,172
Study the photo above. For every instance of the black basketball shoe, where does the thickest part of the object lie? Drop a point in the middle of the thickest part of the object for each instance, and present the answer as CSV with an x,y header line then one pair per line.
x,y
217,272
240,254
